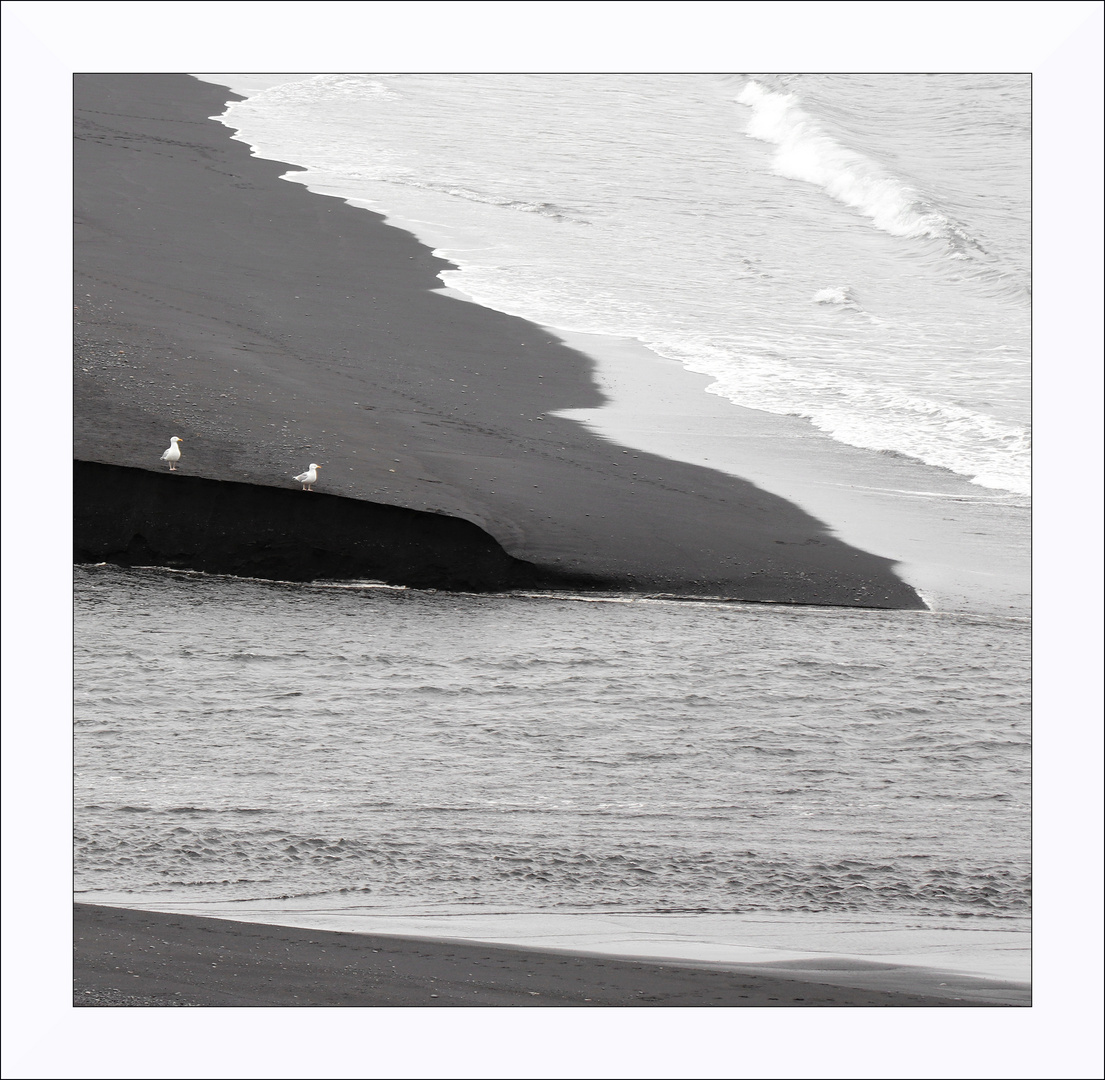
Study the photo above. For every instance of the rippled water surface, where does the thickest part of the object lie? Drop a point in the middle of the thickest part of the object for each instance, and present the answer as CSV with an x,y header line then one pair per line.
x,y
238,739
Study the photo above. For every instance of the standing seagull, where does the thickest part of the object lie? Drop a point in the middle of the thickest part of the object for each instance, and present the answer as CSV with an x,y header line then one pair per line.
x,y
309,477
172,455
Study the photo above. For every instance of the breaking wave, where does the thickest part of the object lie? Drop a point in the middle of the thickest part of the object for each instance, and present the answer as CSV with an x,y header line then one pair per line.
x,y
806,152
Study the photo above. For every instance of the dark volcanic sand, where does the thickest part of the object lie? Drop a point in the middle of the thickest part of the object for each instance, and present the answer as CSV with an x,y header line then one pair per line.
x,y
139,958
134,517
270,327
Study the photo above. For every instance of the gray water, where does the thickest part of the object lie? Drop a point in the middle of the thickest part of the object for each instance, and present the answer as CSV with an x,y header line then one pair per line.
x,y
423,752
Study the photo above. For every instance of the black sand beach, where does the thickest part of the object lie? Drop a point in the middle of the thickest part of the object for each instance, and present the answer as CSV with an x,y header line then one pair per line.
x,y
140,958
269,327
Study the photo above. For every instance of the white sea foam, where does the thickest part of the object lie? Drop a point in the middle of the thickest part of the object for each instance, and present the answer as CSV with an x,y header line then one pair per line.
x,y
807,153
865,414
834,296
625,206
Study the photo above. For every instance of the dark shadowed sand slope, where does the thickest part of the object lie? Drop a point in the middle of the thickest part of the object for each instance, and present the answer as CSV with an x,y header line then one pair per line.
x,y
142,958
270,327
134,517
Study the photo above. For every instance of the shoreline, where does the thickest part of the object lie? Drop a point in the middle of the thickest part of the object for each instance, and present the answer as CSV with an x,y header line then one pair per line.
x,y
122,957
962,546
270,326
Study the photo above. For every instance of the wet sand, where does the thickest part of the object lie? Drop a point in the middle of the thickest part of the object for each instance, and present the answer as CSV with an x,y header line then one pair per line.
x,y
963,547
139,958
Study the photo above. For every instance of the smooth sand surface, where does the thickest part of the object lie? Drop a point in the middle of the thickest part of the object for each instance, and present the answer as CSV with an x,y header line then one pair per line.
x,y
270,327
136,958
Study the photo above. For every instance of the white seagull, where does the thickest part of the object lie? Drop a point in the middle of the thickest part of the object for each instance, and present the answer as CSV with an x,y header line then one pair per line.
x,y
172,455
309,477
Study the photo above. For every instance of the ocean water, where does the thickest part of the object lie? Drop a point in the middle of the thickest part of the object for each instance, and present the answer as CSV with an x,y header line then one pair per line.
x,y
849,249
418,752
853,250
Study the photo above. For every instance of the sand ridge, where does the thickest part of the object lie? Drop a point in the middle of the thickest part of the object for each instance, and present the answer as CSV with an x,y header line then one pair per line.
x,y
269,327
